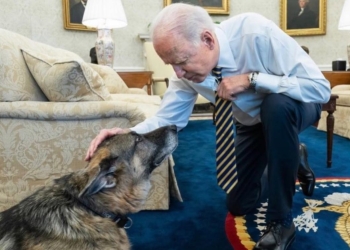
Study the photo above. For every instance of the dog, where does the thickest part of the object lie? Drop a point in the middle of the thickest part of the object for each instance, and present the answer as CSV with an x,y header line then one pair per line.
x,y
87,209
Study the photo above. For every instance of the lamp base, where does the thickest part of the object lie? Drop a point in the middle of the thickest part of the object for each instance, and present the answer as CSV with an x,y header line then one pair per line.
x,y
105,47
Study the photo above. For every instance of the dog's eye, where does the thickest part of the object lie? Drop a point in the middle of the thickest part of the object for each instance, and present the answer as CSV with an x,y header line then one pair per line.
x,y
138,138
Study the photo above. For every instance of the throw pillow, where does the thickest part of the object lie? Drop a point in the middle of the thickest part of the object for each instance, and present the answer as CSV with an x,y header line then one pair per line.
x,y
112,80
65,79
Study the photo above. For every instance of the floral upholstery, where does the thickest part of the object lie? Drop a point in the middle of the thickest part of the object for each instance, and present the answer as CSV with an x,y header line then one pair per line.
x,y
41,140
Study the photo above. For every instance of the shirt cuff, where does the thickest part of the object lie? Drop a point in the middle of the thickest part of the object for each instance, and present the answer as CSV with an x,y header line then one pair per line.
x,y
266,83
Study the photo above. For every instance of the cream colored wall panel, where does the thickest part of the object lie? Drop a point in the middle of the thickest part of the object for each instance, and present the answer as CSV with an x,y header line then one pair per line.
x,y
43,21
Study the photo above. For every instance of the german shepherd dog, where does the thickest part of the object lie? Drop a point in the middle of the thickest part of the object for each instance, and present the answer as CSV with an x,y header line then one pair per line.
x,y
87,209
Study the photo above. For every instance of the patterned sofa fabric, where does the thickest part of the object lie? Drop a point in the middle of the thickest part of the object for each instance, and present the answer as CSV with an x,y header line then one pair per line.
x,y
16,82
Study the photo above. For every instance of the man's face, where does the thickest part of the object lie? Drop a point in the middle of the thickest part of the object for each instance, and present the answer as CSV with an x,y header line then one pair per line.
x,y
302,3
191,62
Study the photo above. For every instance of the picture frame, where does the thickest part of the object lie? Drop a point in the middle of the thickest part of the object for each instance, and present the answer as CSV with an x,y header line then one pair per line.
x,y
312,21
214,7
70,22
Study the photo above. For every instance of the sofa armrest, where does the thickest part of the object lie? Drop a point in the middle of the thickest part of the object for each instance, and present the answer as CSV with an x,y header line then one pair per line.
x,y
71,111
44,140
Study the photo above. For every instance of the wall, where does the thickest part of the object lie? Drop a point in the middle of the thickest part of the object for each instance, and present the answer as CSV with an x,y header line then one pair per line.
x,y
43,21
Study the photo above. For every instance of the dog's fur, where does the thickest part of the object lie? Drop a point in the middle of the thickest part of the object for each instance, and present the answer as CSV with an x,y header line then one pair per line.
x,y
116,180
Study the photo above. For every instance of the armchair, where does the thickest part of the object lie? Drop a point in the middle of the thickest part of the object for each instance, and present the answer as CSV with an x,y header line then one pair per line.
x,y
340,83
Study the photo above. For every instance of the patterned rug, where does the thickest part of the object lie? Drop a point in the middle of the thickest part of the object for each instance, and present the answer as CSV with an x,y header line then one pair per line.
x,y
199,221
322,221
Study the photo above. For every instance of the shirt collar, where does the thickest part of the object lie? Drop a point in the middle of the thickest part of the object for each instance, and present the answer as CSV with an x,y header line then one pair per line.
x,y
226,59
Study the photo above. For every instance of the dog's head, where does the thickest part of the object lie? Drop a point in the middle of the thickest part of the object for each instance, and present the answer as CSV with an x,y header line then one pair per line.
x,y
118,175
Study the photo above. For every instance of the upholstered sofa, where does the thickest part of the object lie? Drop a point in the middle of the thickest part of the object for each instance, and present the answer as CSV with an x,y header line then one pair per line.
x,y
52,104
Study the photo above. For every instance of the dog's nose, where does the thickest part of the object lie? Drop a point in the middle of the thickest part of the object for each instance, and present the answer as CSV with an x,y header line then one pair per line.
x,y
173,127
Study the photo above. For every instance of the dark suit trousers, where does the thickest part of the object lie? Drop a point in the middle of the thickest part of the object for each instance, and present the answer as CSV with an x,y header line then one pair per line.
x,y
273,143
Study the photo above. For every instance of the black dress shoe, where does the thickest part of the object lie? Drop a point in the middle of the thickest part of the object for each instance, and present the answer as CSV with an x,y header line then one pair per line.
x,y
276,237
305,174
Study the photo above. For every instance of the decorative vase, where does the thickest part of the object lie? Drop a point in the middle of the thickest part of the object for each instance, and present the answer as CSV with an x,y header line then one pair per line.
x,y
105,47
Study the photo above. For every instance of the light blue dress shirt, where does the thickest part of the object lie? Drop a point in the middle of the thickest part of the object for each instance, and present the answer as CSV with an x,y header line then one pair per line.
x,y
248,42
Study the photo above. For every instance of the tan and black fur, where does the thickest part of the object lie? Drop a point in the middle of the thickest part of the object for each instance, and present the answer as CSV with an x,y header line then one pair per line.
x,y
66,214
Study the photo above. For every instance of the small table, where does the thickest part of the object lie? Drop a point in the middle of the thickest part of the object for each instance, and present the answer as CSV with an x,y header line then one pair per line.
x,y
138,79
330,107
335,78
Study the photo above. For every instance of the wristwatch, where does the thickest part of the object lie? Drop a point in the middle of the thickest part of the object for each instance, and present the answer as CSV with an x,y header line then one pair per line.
x,y
252,79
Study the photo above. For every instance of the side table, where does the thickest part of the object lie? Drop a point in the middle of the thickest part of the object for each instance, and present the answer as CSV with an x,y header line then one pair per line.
x,y
138,79
335,78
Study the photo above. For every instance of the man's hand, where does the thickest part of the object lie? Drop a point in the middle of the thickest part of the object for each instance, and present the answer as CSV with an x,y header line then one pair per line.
x,y
104,133
232,85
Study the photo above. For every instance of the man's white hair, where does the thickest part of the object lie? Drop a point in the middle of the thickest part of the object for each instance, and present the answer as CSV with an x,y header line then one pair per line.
x,y
183,20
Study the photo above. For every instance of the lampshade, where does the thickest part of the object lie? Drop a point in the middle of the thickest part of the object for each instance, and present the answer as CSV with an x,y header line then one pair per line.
x,y
104,14
344,21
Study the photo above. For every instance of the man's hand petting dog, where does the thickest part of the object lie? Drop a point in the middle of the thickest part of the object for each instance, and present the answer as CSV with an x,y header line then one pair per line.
x,y
104,134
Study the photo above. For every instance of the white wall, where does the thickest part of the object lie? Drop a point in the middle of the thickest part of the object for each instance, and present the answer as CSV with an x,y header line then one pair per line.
x,y
43,21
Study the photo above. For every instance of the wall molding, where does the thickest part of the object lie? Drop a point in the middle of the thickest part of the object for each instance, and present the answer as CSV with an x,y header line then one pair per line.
x,y
129,69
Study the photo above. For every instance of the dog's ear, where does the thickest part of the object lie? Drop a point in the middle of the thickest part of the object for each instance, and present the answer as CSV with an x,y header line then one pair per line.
x,y
103,180
100,173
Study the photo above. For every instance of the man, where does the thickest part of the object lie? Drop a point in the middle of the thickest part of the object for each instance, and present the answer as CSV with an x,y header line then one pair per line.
x,y
305,18
274,88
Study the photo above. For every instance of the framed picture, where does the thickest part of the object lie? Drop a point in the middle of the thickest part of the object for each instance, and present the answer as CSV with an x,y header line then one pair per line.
x,y
303,17
216,7
73,12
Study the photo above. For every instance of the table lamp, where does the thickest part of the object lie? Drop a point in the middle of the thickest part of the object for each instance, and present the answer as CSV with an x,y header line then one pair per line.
x,y
344,21
104,15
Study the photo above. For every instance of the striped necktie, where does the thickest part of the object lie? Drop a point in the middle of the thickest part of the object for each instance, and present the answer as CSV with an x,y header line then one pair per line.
x,y
225,150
